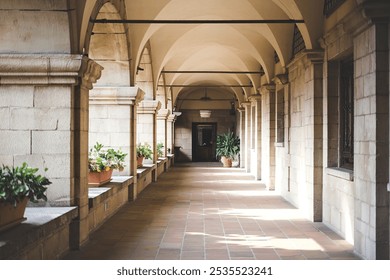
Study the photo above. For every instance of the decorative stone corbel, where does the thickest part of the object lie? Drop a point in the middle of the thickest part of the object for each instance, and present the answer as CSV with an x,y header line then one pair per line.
x,y
90,72
281,79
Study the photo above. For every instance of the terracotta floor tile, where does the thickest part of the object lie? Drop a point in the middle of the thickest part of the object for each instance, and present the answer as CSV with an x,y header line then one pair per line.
x,y
195,211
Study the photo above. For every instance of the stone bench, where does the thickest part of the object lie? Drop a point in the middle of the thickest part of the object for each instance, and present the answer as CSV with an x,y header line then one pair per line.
x,y
146,175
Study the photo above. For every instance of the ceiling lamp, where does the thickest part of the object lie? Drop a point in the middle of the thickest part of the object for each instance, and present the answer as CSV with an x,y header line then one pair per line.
x,y
205,113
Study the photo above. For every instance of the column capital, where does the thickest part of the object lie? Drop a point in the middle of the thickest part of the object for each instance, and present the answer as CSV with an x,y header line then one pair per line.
x,y
245,105
267,88
116,95
172,118
254,98
149,107
39,69
163,114
281,79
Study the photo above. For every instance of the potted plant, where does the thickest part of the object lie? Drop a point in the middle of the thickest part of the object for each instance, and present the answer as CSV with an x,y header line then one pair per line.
x,y
160,151
144,151
102,162
227,147
18,185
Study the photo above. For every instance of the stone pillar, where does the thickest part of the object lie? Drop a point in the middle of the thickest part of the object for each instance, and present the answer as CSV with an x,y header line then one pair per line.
x,y
112,120
147,124
256,119
243,128
90,72
162,128
268,135
371,165
247,140
171,133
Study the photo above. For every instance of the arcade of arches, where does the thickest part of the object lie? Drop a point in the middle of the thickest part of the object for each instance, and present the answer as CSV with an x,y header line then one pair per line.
x,y
304,84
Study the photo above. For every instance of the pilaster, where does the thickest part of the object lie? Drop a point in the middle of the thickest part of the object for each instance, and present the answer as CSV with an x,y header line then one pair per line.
x,y
256,131
268,135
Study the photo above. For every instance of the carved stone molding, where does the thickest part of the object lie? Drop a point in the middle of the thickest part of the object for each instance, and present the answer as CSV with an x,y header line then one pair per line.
x,y
267,88
281,79
116,95
163,114
172,118
149,107
31,69
90,72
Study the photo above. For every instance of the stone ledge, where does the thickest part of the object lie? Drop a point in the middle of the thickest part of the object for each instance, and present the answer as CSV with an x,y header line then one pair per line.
x,y
100,194
41,224
145,169
340,173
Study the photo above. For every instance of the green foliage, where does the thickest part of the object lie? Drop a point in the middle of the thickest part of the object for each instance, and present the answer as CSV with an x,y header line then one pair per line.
x,y
144,150
19,182
100,159
160,151
227,145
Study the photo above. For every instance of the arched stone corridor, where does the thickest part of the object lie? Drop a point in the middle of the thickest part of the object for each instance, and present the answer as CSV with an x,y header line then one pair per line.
x,y
204,211
303,84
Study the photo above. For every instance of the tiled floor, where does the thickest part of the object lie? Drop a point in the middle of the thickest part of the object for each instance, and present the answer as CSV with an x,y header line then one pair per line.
x,y
199,212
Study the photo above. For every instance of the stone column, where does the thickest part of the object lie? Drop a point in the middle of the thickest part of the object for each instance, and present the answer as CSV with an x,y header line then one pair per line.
x,y
268,135
243,128
171,133
162,128
90,72
313,122
147,124
371,164
256,119
247,140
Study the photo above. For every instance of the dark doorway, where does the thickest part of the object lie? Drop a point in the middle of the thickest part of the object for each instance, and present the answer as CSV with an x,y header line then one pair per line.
x,y
203,141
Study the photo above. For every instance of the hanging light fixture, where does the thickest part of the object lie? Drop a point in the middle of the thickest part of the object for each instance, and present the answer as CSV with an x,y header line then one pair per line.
x,y
205,113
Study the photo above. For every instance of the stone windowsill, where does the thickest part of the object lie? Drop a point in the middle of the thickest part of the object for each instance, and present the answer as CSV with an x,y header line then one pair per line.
x,y
41,223
342,173
145,169
100,194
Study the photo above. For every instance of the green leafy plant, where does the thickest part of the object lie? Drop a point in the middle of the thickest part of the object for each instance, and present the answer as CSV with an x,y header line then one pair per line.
x,y
19,182
227,145
144,150
160,151
100,159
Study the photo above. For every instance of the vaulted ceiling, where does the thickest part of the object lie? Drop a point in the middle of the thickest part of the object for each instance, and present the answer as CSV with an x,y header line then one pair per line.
x,y
227,50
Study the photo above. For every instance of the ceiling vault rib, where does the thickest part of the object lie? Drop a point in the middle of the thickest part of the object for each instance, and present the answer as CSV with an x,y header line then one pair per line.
x,y
200,21
211,72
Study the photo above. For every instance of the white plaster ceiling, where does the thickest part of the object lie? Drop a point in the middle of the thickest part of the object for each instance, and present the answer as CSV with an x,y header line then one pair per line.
x,y
222,47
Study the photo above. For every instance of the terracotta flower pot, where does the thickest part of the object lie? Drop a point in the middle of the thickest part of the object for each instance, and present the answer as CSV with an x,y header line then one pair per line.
x,y
227,162
140,161
11,215
96,179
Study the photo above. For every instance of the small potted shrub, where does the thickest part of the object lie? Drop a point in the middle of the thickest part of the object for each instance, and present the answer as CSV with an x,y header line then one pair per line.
x,y
144,151
160,151
227,147
102,162
18,185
